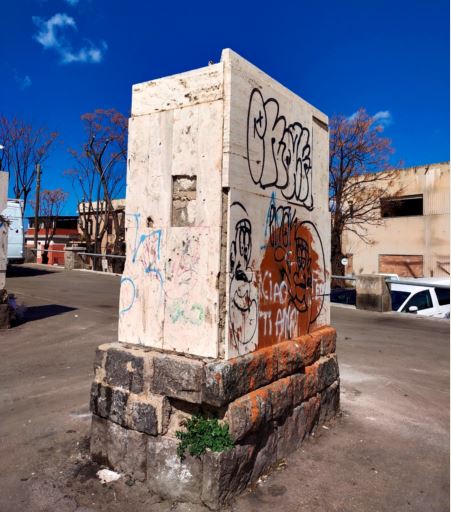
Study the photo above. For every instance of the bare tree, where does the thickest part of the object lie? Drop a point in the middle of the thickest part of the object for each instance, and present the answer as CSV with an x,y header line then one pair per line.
x,y
359,176
51,203
99,176
24,147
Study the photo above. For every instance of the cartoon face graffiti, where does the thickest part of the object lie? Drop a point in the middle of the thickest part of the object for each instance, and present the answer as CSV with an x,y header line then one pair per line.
x,y
292,276
242,291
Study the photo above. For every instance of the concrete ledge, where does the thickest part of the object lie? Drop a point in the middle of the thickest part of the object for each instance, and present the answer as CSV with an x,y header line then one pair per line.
x,y
372,293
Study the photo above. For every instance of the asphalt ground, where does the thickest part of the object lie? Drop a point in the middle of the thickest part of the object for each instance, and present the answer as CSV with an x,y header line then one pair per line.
x,y
388,451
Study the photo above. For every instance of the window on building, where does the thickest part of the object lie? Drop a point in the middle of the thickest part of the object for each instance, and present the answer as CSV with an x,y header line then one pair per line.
x,y
408,265
442,296
404,206
422,300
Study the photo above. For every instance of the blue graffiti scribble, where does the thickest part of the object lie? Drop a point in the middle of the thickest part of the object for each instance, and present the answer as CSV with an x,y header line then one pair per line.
x,y
269,215
148,253
128,280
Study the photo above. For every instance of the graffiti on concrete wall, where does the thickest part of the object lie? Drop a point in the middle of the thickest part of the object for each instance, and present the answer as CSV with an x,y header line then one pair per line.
x,y
243,315
278,153
176,277
182,278
146,253
276,289
292,276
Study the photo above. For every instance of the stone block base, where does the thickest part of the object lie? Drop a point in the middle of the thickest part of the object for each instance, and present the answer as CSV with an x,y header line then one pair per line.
x,y
271,400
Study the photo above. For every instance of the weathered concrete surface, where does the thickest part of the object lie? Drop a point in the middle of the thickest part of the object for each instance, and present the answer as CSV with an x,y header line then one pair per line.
x,y
390,452
372,293
227,204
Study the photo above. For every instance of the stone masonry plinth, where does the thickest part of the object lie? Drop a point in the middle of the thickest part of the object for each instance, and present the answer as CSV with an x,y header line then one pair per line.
x,y
271,399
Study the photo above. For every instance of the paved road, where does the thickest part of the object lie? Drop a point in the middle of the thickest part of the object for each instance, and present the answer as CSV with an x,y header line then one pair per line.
x,y
388,452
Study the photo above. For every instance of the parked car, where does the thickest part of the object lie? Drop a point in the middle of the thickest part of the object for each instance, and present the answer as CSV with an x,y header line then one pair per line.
x,y
14,214
421,300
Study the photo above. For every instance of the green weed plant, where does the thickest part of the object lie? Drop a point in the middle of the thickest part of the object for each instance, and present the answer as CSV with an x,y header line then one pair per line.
x,y
201,434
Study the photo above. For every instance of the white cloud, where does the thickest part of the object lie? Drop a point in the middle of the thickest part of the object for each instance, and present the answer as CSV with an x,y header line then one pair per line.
x,y
47,35
383,118
50,35
89,53
23,81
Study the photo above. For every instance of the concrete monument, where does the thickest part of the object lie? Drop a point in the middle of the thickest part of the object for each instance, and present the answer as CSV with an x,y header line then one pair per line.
x,y
224,307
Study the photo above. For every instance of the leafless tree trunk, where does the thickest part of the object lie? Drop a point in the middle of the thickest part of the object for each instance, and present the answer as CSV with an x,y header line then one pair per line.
x,y
98,177
50,206
24,148
359,176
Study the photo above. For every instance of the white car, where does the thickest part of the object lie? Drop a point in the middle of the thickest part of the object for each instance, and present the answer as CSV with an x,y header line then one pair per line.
x,y
421,300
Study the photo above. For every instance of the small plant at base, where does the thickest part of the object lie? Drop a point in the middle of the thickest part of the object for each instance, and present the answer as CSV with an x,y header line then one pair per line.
x,y
202,434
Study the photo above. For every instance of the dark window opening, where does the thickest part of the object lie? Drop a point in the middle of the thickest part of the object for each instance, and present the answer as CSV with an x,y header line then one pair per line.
x,y
422,300
397,299
442,296
402,206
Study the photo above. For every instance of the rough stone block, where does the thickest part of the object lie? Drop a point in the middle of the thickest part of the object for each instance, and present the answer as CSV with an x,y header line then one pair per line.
x,y
118,407
327,371
226,474
125,369
109,403
119,448
168,476
310,348
100,402
291,431
248,413
309,412
304,385
330,402
281,397
227,380
266,451
328,339
178,377
99,362
142,417
99,440
289,357
127,451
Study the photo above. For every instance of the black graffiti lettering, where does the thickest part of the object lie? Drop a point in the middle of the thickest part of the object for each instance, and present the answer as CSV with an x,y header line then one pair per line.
x,y
278,154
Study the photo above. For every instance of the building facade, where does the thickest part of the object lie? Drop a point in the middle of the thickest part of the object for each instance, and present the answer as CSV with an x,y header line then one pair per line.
x,y
94,221
66,233
412,239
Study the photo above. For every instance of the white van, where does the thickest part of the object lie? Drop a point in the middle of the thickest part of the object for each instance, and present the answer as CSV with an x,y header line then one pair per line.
x,y
14,214
421,300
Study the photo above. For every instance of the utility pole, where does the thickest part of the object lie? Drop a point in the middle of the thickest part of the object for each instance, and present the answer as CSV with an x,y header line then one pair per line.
x,y
36,212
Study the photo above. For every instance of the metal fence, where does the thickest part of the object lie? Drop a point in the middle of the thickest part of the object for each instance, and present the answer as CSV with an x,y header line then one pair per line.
x,y
390,280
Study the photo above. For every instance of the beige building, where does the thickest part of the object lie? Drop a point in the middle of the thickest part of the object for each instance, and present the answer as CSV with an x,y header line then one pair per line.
x,y
413,238
93,221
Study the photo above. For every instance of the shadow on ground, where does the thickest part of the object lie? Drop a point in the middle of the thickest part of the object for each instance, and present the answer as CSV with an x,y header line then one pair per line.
x,y
22,271
32,313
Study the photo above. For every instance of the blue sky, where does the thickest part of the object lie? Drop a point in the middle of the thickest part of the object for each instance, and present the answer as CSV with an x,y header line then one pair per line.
x,y
62,58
